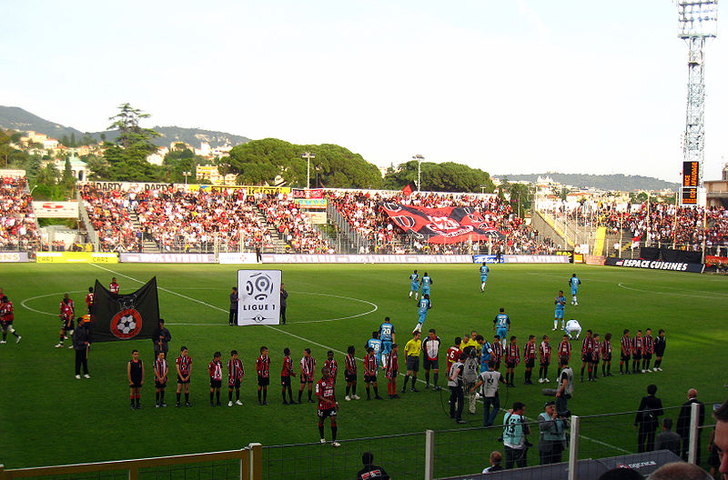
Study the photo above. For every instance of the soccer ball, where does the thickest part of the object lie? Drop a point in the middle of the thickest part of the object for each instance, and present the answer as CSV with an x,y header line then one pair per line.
x,y
126,324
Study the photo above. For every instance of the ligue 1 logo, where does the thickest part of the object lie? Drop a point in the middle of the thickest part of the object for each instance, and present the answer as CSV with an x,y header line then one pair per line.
x,y
259,286
126,324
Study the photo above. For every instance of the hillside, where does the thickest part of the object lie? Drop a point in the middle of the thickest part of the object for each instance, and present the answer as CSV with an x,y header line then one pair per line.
x,y
601,182
16,118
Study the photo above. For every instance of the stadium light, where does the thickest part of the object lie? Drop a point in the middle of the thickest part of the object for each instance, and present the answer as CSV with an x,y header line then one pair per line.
x,y
186,174
698,21
308,156
419,159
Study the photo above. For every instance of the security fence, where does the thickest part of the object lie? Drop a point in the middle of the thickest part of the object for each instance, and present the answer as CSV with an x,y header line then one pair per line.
x,y
595,443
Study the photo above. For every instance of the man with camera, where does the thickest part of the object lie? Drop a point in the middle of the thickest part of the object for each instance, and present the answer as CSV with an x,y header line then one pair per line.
x,y
515,442
455,382
553,434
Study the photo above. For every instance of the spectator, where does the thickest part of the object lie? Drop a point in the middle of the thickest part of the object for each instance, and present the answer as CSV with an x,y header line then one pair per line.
x,y
684,421
495,462
667,439
647,420
371,471
679,471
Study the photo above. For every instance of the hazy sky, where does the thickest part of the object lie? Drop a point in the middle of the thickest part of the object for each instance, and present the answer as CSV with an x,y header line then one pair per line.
x,y
515,86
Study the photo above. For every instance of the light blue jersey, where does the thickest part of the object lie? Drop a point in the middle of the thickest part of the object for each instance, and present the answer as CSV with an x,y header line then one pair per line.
x,y
422,309
574,283
502,323
485,356
484,270
376,344
426,284
414,282
386,333
560,303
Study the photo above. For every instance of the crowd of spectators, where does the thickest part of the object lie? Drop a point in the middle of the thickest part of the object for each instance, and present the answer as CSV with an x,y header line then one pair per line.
x,y
363,211
108,211
657,224
18,226
176,220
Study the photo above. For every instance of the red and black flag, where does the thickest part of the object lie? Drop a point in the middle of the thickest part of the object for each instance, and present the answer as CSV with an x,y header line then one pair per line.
x,y
441,225
125,316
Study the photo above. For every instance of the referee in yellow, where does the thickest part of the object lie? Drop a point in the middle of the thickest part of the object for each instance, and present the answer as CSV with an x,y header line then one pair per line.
x,y
412,352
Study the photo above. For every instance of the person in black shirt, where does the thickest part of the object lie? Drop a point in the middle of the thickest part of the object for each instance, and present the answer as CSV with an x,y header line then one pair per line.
x,y
660,344
647,420
81,344
284,304
667,439
233,317
161,338
371,471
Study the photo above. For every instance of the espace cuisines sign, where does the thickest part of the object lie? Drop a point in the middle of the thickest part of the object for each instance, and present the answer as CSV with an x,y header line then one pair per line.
x,y
655,264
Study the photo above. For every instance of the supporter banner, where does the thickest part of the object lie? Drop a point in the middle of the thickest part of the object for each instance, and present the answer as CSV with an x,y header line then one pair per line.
x,y
260,297
709,260
487,259
441,225
299,193
167,258
125,317
55,209
266,190
236,258
76,257
535,259
303,258
13,257
7,172
594,259
310,202
655,264
317,218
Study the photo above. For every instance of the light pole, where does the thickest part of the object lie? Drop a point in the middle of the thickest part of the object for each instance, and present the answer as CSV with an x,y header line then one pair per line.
x,y
308,156
186,174
419,159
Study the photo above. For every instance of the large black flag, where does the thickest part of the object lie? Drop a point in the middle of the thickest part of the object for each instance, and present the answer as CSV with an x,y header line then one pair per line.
x,y
125,317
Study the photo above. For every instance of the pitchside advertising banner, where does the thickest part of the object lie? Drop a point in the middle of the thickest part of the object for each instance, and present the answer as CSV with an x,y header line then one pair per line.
x,y
655,264
259,297
13,257
76,257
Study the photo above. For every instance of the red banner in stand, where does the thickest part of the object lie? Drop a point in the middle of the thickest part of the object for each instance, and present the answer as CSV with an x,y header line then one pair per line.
x,y
441,225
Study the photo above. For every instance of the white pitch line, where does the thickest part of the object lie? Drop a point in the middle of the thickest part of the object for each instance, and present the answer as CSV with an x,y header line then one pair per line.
x,y
43,296
677,294
604,444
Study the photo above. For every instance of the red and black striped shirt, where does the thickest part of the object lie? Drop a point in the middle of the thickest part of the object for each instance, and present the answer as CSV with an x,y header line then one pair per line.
x,y
184,362
308,367
626,344
350,364
287,368
392,365
529,351
333,367
262,366
497,354
236,371
564,348
649,344
513,353
370,365
545,352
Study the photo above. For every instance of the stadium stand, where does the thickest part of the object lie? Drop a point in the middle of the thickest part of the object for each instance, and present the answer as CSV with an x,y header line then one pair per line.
x,y
18,226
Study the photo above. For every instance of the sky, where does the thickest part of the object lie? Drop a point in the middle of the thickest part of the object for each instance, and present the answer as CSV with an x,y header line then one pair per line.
x,y
515,86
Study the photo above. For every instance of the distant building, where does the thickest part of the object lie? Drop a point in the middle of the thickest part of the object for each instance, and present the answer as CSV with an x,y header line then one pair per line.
x,y
78,167
716,191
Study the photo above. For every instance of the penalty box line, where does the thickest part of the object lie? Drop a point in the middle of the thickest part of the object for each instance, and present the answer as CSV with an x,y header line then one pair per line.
x,y
215,307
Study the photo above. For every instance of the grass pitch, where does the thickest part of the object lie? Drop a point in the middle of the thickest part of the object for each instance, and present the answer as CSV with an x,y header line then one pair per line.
x,y
49,417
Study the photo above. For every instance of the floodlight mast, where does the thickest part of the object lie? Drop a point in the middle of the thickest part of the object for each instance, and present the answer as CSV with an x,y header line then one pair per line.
x,y
698,21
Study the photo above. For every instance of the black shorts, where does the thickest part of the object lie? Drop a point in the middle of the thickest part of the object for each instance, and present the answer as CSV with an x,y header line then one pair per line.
x,y
370,379
306,379
159,384
586,357
428,364
263,381
545,364
326,412
286,380
636,356
607,357
530,363
647,356
179,380
625,357
392,374
136,384
350,377
413,363
234,384
66,326
5,324
215,383
564,359
510,364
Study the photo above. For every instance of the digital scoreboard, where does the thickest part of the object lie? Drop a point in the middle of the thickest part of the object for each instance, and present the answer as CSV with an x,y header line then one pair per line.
x,y
691,180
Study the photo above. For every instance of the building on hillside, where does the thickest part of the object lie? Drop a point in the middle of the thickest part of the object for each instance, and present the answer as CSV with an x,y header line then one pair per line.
x,y
716,191
79,168
212,175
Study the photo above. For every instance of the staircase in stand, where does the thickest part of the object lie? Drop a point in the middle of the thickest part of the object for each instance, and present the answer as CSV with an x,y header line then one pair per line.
x,y
148,245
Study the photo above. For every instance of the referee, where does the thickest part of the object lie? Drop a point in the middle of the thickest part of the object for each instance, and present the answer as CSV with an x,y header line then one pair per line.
x,y
412,352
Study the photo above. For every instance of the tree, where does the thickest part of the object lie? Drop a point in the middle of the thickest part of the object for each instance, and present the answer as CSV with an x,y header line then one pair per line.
x,y
127,158
444,177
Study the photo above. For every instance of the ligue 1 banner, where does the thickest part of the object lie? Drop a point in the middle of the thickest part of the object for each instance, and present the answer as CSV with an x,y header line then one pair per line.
x,y
259,294
125,317
441,225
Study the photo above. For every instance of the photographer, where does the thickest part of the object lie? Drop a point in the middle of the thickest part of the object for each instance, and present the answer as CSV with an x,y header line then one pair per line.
x,y
455,382
553,434
515,430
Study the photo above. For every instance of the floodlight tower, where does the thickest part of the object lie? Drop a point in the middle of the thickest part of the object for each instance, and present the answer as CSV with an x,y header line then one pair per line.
x,y
698,22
